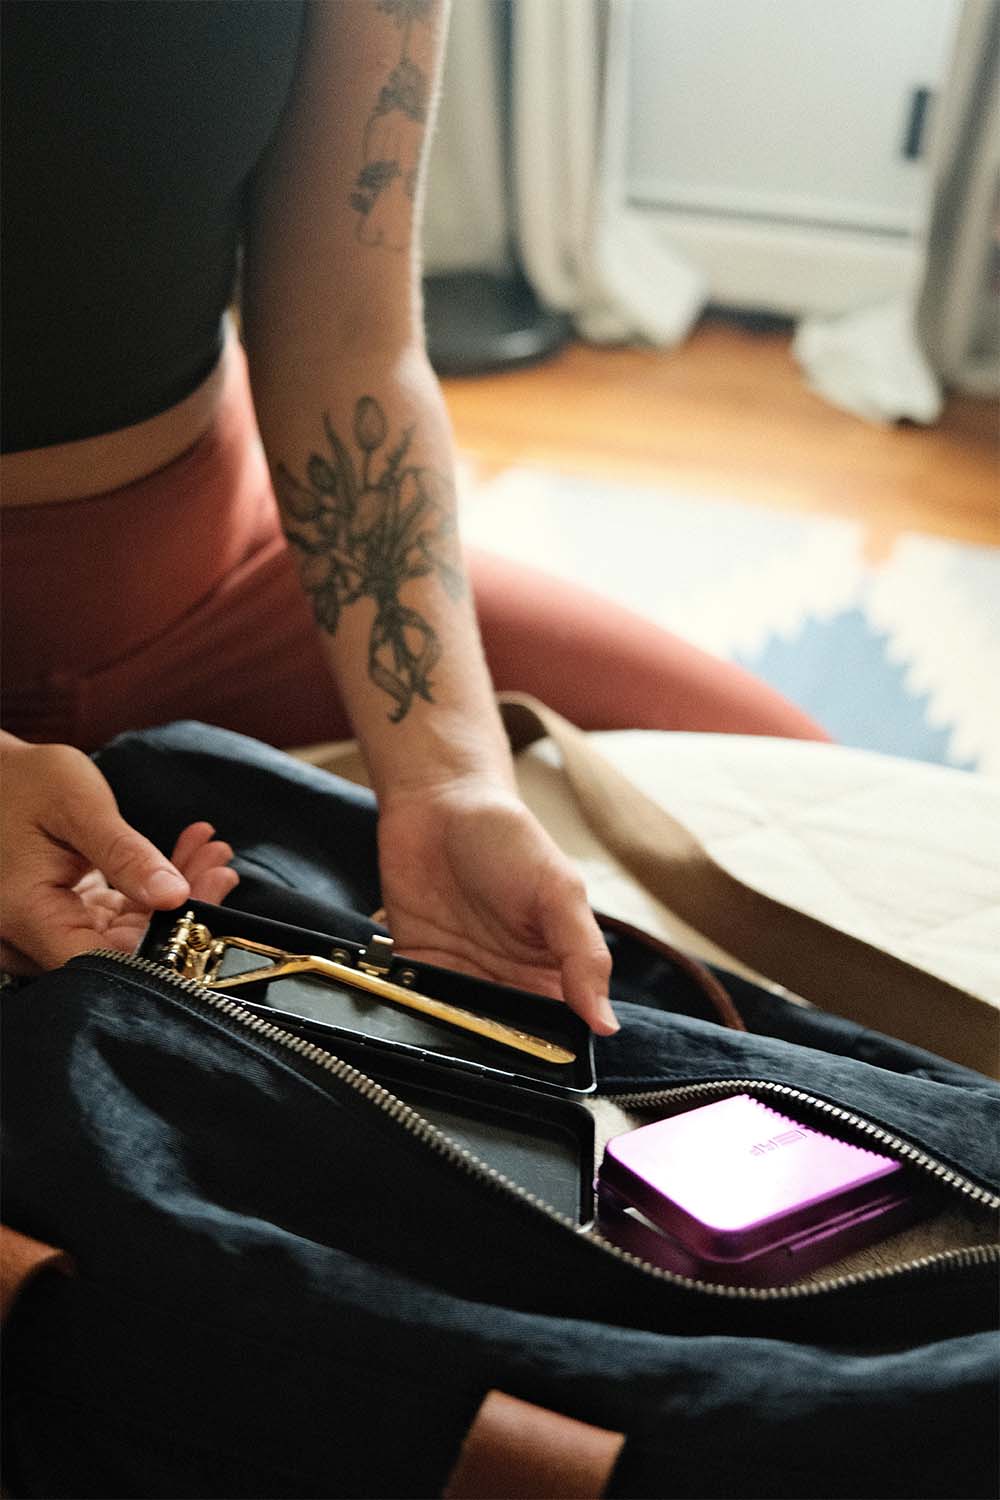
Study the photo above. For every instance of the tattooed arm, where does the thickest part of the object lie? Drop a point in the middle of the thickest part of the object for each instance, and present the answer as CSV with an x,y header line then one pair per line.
x,y
360,448
351,415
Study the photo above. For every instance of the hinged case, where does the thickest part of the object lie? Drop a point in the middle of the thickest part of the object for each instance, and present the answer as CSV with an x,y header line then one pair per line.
x,y
343,1012
520,1114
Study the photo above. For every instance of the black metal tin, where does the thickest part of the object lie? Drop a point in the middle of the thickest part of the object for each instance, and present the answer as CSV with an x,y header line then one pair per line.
x,y
338,1014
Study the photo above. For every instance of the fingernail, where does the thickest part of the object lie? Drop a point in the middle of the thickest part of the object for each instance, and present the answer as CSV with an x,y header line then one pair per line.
x,y
609,1018
166,885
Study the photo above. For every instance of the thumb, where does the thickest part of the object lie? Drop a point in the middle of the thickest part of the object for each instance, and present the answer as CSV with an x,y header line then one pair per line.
x,y
94,827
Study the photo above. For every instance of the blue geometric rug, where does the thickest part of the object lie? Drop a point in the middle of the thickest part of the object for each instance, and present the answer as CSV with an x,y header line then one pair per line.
x,y
869,704
901,657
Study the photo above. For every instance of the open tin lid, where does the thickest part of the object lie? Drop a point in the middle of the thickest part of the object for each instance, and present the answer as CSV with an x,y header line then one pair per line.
x,y
348,992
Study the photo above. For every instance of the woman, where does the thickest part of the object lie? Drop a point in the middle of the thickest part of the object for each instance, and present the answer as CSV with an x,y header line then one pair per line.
x,y
146,572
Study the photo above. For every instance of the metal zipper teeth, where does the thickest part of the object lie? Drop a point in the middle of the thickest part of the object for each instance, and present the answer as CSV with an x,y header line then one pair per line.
x,y
876,1133
438,1141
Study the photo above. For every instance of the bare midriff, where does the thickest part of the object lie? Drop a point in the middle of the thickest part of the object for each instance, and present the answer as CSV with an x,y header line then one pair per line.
x,y
94,465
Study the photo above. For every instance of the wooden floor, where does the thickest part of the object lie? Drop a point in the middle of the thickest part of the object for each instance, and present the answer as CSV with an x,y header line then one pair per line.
x,y
728,415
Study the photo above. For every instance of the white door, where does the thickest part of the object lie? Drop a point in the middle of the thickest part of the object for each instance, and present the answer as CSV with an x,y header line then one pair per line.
x,y
785,118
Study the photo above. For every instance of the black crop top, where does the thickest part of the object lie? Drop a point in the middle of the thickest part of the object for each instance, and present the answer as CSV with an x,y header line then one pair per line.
x,y
131,129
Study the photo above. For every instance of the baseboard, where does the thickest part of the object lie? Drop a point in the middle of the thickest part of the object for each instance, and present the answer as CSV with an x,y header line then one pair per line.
x,y
787,269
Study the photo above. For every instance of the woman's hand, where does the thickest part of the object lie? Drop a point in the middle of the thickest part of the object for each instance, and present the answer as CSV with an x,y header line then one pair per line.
x,y
76,876
472,881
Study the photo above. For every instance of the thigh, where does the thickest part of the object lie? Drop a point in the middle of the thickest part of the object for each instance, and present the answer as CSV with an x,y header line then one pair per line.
x,y
603,667
251,659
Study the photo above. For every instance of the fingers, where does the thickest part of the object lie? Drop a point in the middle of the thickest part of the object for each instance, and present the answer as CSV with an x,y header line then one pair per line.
x,y
101,901
211,856
59,927
89,821
204,862
125,932
194,837
108,902
215,885
200,868
92,884
76,873
58,817
575,942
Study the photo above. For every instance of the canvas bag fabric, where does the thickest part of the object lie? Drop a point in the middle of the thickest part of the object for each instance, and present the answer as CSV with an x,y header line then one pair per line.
x,y
278,1293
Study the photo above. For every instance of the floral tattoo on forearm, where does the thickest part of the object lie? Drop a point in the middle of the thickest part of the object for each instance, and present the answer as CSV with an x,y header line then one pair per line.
x,y
365,531
393,138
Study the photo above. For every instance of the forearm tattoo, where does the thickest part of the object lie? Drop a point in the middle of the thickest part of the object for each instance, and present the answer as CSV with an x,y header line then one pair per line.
x,y
363,531
393,138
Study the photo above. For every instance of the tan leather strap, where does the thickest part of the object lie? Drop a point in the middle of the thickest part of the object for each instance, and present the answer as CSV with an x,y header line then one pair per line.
x,y
833,969
21,1259
517,1451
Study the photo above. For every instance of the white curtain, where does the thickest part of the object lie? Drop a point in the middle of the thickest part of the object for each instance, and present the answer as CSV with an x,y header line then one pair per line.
x,y
583,249
566,215
958,315
895,360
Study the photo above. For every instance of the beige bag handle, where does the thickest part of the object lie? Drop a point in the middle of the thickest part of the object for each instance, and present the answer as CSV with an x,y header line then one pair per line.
x,y
829,967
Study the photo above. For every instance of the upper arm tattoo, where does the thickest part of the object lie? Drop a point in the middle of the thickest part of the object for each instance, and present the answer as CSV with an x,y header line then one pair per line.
x,y
363,531
393,137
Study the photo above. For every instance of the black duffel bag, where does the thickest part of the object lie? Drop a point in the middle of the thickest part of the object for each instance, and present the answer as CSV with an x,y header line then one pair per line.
x,y
285,1281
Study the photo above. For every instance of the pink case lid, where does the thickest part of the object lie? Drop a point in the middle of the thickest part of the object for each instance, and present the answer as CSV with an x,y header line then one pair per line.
x,y
732,1178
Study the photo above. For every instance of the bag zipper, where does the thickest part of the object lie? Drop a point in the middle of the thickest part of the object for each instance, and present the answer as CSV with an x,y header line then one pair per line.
x,y
913,1155
409,1119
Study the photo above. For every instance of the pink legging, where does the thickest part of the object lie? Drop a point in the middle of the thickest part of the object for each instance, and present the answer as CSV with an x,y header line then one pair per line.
x,y
177,597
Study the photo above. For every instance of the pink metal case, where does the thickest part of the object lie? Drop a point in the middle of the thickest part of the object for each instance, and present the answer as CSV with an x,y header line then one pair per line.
x,y
735,1191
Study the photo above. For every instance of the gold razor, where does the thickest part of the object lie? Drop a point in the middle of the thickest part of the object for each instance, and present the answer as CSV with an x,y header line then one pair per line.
x,y
196,954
